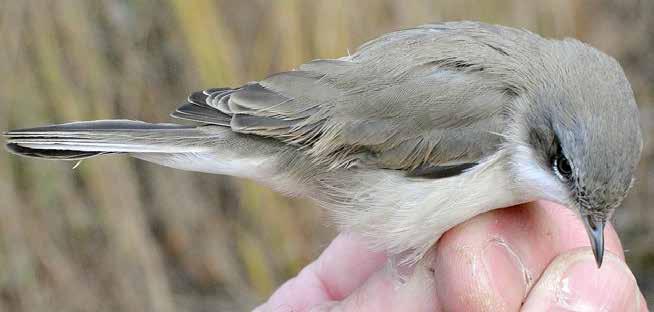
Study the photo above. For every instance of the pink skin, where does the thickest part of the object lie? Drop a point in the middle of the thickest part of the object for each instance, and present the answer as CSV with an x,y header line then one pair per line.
x,y
532,257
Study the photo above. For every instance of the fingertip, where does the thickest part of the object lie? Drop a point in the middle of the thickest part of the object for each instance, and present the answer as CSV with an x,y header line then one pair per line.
x,y
342,267
479,269
568,230
573,282
492,261
346,264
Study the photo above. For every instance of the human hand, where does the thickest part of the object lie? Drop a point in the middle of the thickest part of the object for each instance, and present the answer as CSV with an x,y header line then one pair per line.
x,y
524,257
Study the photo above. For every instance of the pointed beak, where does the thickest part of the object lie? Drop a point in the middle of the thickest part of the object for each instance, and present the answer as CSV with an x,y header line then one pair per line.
x,y
595,231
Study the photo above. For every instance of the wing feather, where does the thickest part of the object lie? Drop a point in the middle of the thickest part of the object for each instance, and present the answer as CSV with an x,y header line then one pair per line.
x,y
429,96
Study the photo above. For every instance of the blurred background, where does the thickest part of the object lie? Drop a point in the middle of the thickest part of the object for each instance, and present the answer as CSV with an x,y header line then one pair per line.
x,y
117,234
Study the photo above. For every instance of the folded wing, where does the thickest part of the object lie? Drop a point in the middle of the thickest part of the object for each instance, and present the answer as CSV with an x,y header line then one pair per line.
x,y
425,97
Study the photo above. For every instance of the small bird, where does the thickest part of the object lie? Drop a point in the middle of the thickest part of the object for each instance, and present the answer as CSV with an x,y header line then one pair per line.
x,y
419,130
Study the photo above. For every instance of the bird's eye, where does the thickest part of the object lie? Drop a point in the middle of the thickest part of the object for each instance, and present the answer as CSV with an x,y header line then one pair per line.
x,y
562,166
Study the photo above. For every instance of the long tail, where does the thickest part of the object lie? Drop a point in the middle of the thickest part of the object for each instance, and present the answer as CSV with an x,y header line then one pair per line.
x,y
79,140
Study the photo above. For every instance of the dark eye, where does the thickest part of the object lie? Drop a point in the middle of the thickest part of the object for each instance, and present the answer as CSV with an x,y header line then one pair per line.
x,y
562,166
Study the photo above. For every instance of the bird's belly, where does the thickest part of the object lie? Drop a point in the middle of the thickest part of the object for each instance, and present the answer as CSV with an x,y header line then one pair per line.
x,y
408,215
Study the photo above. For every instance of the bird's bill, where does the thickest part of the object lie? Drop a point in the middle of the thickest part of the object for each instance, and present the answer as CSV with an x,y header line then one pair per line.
x,y
595,231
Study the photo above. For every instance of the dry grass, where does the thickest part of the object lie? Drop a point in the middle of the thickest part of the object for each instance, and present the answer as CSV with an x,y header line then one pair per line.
x,y
117,234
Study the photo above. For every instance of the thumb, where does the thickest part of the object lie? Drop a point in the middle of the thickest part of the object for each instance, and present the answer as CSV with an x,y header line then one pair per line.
x,y
572,282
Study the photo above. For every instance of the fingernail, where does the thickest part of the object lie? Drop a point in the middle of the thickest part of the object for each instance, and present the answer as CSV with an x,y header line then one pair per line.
x,y
584,287
507,273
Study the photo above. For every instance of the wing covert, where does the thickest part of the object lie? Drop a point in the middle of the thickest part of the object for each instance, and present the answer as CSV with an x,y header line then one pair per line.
x,y
429,96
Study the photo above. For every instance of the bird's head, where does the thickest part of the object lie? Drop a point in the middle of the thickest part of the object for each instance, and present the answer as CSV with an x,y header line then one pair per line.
x,y
577,136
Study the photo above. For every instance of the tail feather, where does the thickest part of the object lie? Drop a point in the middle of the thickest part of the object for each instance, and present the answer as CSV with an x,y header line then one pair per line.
x,y
51,154
80,140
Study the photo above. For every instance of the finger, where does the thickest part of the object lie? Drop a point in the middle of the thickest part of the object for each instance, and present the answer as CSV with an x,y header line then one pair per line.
x,y
387,290
491,261
572,283
346,265
343,267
